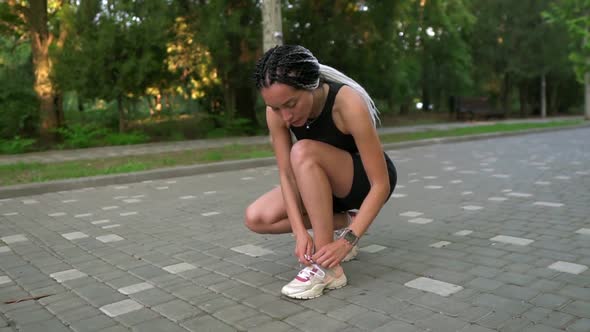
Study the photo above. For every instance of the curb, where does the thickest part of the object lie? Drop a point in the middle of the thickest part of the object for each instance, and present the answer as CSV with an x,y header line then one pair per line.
x,y
171,172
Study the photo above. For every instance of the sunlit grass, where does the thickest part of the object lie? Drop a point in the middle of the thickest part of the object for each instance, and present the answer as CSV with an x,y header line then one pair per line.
x,y
19,173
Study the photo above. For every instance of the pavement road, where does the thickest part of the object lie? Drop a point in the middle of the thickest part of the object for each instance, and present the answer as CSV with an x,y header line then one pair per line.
x,y
489,235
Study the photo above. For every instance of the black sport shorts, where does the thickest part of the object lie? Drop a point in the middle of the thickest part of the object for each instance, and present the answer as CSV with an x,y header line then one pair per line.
x,y
361,185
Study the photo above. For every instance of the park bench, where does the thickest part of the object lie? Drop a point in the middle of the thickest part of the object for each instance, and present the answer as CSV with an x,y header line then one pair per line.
x,y
471,107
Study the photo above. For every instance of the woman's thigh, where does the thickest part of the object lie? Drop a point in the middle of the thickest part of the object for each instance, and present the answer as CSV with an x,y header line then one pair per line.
x,y
336,163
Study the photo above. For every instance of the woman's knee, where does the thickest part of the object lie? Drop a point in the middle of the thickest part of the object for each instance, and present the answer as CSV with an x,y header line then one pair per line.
x,y
303,152
253,219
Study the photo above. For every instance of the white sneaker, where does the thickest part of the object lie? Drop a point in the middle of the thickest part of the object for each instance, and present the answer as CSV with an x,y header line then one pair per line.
x,y
311,282
355,249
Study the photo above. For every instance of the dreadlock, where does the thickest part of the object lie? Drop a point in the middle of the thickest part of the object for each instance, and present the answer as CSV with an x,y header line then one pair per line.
x,y
296,66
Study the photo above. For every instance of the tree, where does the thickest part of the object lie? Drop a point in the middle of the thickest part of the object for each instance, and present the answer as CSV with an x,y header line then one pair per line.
x,y
38,21
230,31
118,52
575,15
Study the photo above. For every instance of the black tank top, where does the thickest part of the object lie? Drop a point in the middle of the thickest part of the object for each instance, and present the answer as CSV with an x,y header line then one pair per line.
x,y
323,128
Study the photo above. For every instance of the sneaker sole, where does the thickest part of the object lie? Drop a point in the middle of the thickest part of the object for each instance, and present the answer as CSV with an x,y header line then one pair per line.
x,y
351,255
318,290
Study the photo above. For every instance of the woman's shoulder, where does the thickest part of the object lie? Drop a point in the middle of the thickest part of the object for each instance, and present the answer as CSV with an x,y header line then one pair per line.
x,y
347,99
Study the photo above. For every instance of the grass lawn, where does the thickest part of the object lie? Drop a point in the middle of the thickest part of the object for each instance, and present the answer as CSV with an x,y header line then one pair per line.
x,y
37,172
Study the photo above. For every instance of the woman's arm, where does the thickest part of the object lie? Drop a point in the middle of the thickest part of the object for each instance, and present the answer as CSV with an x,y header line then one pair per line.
x,y
357,121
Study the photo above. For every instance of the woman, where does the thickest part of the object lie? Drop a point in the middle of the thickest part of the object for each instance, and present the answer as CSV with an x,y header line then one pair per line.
x,y
337,164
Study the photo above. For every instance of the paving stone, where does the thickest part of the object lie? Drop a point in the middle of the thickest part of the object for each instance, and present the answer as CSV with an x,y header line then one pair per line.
x,y
207,324
120,308
436,286
99,294
311,320
413,313
137,317
540,328
398,326
97,323
67,275
568,267
51,325
176,310
274,326
515,278
79,313
135,288
484,284
369,320
241,292
157,325
234,314
28,317
280,309
152,297
578,308
517,324
442,323
252,322
549,301
515,292
215,304
580,325
501,303
344,313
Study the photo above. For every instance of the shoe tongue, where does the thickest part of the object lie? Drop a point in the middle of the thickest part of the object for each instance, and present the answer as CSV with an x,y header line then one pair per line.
x,y
307,273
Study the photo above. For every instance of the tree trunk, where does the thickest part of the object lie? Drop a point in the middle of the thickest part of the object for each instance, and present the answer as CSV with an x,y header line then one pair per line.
x,y
553,100
122,120
272,30
543,97
404,109
59,109
44,88
523,97
507,86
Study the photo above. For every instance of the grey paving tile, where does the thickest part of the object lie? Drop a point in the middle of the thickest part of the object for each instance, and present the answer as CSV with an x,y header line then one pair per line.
x,y
206,324
177,310
311,320
157,325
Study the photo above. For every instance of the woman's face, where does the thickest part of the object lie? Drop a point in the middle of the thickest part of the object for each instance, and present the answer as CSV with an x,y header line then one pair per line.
x,y
293,105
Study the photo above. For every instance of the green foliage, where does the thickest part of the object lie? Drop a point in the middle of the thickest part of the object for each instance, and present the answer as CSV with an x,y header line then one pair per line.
x,y
18,102
231,127
88,135
118,52
574,16
16,145
81,135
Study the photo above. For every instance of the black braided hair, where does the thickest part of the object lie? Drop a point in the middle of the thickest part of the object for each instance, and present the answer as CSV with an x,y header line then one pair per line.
x,y
292,65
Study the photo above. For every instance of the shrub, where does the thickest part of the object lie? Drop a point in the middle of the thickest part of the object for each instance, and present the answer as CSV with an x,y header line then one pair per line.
x,y
16,145
81,136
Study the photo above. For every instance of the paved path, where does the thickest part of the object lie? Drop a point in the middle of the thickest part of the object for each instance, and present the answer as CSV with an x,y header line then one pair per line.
x,y
141,149
490,235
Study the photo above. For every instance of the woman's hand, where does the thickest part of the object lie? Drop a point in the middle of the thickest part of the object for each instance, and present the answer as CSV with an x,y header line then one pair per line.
x,y
304,248
332,254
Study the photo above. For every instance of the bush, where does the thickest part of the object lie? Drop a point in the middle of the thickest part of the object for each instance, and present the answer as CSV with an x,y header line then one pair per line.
x,y
16,145
81,136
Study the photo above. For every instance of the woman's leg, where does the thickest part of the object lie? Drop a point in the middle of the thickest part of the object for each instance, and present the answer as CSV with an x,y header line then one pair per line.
x,y
267,215
321,171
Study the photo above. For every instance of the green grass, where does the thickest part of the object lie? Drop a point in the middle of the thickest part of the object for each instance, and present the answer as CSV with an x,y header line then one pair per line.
x,y
37,172
476,130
